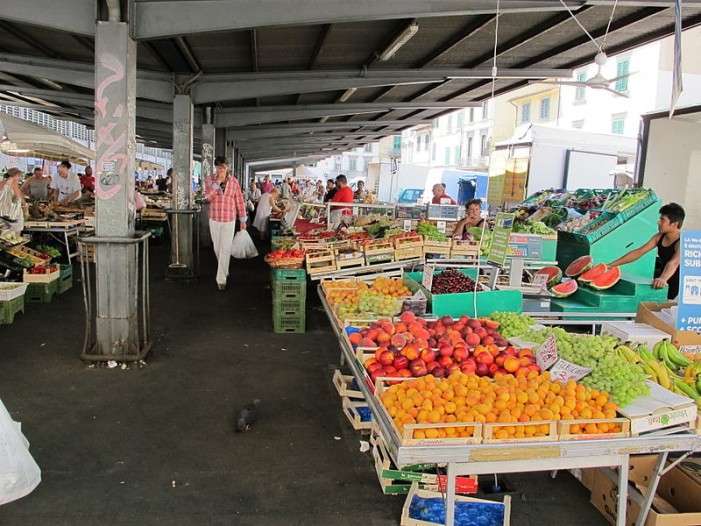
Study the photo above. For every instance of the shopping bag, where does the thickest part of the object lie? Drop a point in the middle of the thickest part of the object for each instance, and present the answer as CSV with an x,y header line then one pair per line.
x,y
10,205
243,246
250,206
19,474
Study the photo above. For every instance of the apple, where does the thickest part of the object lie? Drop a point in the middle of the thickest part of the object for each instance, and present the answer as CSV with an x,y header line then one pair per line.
x,y
367,363
485,358
447,321
445,361
382,337
430,366
460,354
401,362
428,355
500,371
366,342
472,340
468,366
482,369
512,363
398,341
410,351
418,367
438,372
446,350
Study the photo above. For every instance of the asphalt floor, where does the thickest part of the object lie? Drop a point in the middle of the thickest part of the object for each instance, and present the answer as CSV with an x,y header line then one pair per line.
x,y
155,443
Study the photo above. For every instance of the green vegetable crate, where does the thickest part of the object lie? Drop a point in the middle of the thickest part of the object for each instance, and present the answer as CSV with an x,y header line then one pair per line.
x,y
65,280
289,300
11,301
41,292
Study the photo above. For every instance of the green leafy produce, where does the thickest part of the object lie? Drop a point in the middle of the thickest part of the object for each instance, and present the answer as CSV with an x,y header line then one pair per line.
x,y
51,251
625,200
427,229
532,227
624,380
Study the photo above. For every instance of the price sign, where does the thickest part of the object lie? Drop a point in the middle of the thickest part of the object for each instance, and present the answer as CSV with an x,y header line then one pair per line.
x,y
546,354
540,280
564,371
427,279
407,225
440,225
689,311
500,240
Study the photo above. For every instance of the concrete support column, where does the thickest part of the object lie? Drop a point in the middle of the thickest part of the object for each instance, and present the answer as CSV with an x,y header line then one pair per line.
x,y
220,141
181,255
209,137
116,272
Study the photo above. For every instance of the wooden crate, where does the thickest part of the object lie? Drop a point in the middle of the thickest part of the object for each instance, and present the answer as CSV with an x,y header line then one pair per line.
x,y
379,252
565,432
320,260
86,253
153,214
343,382
46,277
432,246
464,249
350,409
490,432
402,242
35,256
349,259
413,252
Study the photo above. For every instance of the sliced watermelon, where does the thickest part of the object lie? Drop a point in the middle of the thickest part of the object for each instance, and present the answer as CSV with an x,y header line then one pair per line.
x,y
593,273
607,280
578,266
564,289
554,275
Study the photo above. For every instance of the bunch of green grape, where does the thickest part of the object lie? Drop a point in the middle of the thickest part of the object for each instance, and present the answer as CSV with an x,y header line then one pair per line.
x,y
511,323
625,381
374,301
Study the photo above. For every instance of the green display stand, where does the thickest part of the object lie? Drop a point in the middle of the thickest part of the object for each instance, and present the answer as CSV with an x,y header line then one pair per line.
x,y
632,234
463,303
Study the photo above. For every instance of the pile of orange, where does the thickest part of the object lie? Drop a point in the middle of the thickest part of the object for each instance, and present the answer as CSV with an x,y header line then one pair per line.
x,y
391,287
527,401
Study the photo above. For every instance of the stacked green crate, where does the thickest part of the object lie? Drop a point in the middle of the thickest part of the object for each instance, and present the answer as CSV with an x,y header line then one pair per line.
x,y
41,292
65,280
11,301
289,300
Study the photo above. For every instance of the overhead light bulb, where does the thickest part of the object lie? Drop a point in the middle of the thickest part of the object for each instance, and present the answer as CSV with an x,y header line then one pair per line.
x,y
398,42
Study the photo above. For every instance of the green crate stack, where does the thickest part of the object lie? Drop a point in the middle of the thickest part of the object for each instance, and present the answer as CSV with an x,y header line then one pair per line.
x,y
65,280
9,308
289,300
41,292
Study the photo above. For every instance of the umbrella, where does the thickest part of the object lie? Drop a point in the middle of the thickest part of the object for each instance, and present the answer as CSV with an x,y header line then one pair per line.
x,y
25,139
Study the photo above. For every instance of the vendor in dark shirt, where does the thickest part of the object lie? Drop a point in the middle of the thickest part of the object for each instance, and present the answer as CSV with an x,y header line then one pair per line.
x,y
331,190
667,243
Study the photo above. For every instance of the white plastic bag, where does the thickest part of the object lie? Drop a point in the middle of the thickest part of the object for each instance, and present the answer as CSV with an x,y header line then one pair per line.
x,y
19,474
243,246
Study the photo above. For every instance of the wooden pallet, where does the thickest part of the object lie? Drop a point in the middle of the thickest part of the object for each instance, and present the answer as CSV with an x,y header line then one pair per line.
x,y
58,225
86,253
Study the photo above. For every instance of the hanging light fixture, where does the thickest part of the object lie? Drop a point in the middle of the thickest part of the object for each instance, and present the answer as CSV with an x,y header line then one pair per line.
x,y
399,41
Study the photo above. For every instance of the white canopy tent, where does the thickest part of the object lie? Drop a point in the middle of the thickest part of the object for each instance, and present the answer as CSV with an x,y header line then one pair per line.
x,y
25,139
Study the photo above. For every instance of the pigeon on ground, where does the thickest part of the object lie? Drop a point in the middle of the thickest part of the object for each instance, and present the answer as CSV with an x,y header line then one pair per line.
x,y
247,415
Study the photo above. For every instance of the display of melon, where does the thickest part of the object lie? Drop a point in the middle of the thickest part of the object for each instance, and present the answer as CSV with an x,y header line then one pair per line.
x,y
579,266
554,275
593,273
564,289
607,280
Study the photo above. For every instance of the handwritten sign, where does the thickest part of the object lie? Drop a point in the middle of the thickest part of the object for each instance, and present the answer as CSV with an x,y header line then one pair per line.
x,y
407,225
540,280
440,225
546,354
500,239
427,279
564,371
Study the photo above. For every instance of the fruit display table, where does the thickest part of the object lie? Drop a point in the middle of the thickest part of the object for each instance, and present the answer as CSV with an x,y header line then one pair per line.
x,y
518,456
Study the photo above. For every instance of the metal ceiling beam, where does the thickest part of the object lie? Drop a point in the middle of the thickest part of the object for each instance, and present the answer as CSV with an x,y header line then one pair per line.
x,y
456,39
13,30
74,16
320,44
325,126
254,133
149,85
54,95
189,55
14,101
245,119
163,18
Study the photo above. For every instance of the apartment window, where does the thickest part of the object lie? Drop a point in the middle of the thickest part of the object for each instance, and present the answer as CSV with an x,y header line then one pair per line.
x,y
435,123
484,144
433,153
579,92
450,123
545,108
397,142
457,151
622,71
578,125
447,156
618,122
472,115
525,113
460,119
469,147
485,109
352,164
368,148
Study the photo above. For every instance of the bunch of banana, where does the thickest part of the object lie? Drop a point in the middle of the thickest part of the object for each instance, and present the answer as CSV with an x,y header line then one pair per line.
x,y
670,355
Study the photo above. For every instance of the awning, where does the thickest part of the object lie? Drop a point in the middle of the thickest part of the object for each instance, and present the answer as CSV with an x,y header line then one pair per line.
x,y
22,138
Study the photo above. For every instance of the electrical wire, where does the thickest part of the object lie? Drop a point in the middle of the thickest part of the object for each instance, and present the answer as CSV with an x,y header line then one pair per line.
x,y
599,47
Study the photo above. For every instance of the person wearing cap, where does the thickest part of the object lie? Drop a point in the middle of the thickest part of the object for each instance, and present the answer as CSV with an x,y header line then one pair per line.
x,y
65,186
225,206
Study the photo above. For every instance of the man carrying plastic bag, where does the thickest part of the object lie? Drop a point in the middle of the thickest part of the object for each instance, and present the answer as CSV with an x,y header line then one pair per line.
x,y
19,474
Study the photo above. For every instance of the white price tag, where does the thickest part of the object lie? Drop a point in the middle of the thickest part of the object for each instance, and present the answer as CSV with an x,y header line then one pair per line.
x,y
407,225
427,279
440,225
564,371
546,354
540,280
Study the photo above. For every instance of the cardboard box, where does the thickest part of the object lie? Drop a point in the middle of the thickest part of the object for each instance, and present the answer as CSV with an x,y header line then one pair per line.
x,y
585,476
634,332
661,408
681,339
677,503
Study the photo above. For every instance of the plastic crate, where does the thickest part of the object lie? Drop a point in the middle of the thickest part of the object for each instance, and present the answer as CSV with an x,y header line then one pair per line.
x,y
65,280
41,292
282,274
285,307
289,324
603,224
10,291
289,290
638,207
9,308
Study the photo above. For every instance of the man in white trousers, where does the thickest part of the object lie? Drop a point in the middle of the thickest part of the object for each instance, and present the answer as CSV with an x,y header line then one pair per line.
x,y
225,206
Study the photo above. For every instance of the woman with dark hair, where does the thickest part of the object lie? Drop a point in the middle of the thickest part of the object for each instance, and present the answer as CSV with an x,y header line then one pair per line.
x,y
473,218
